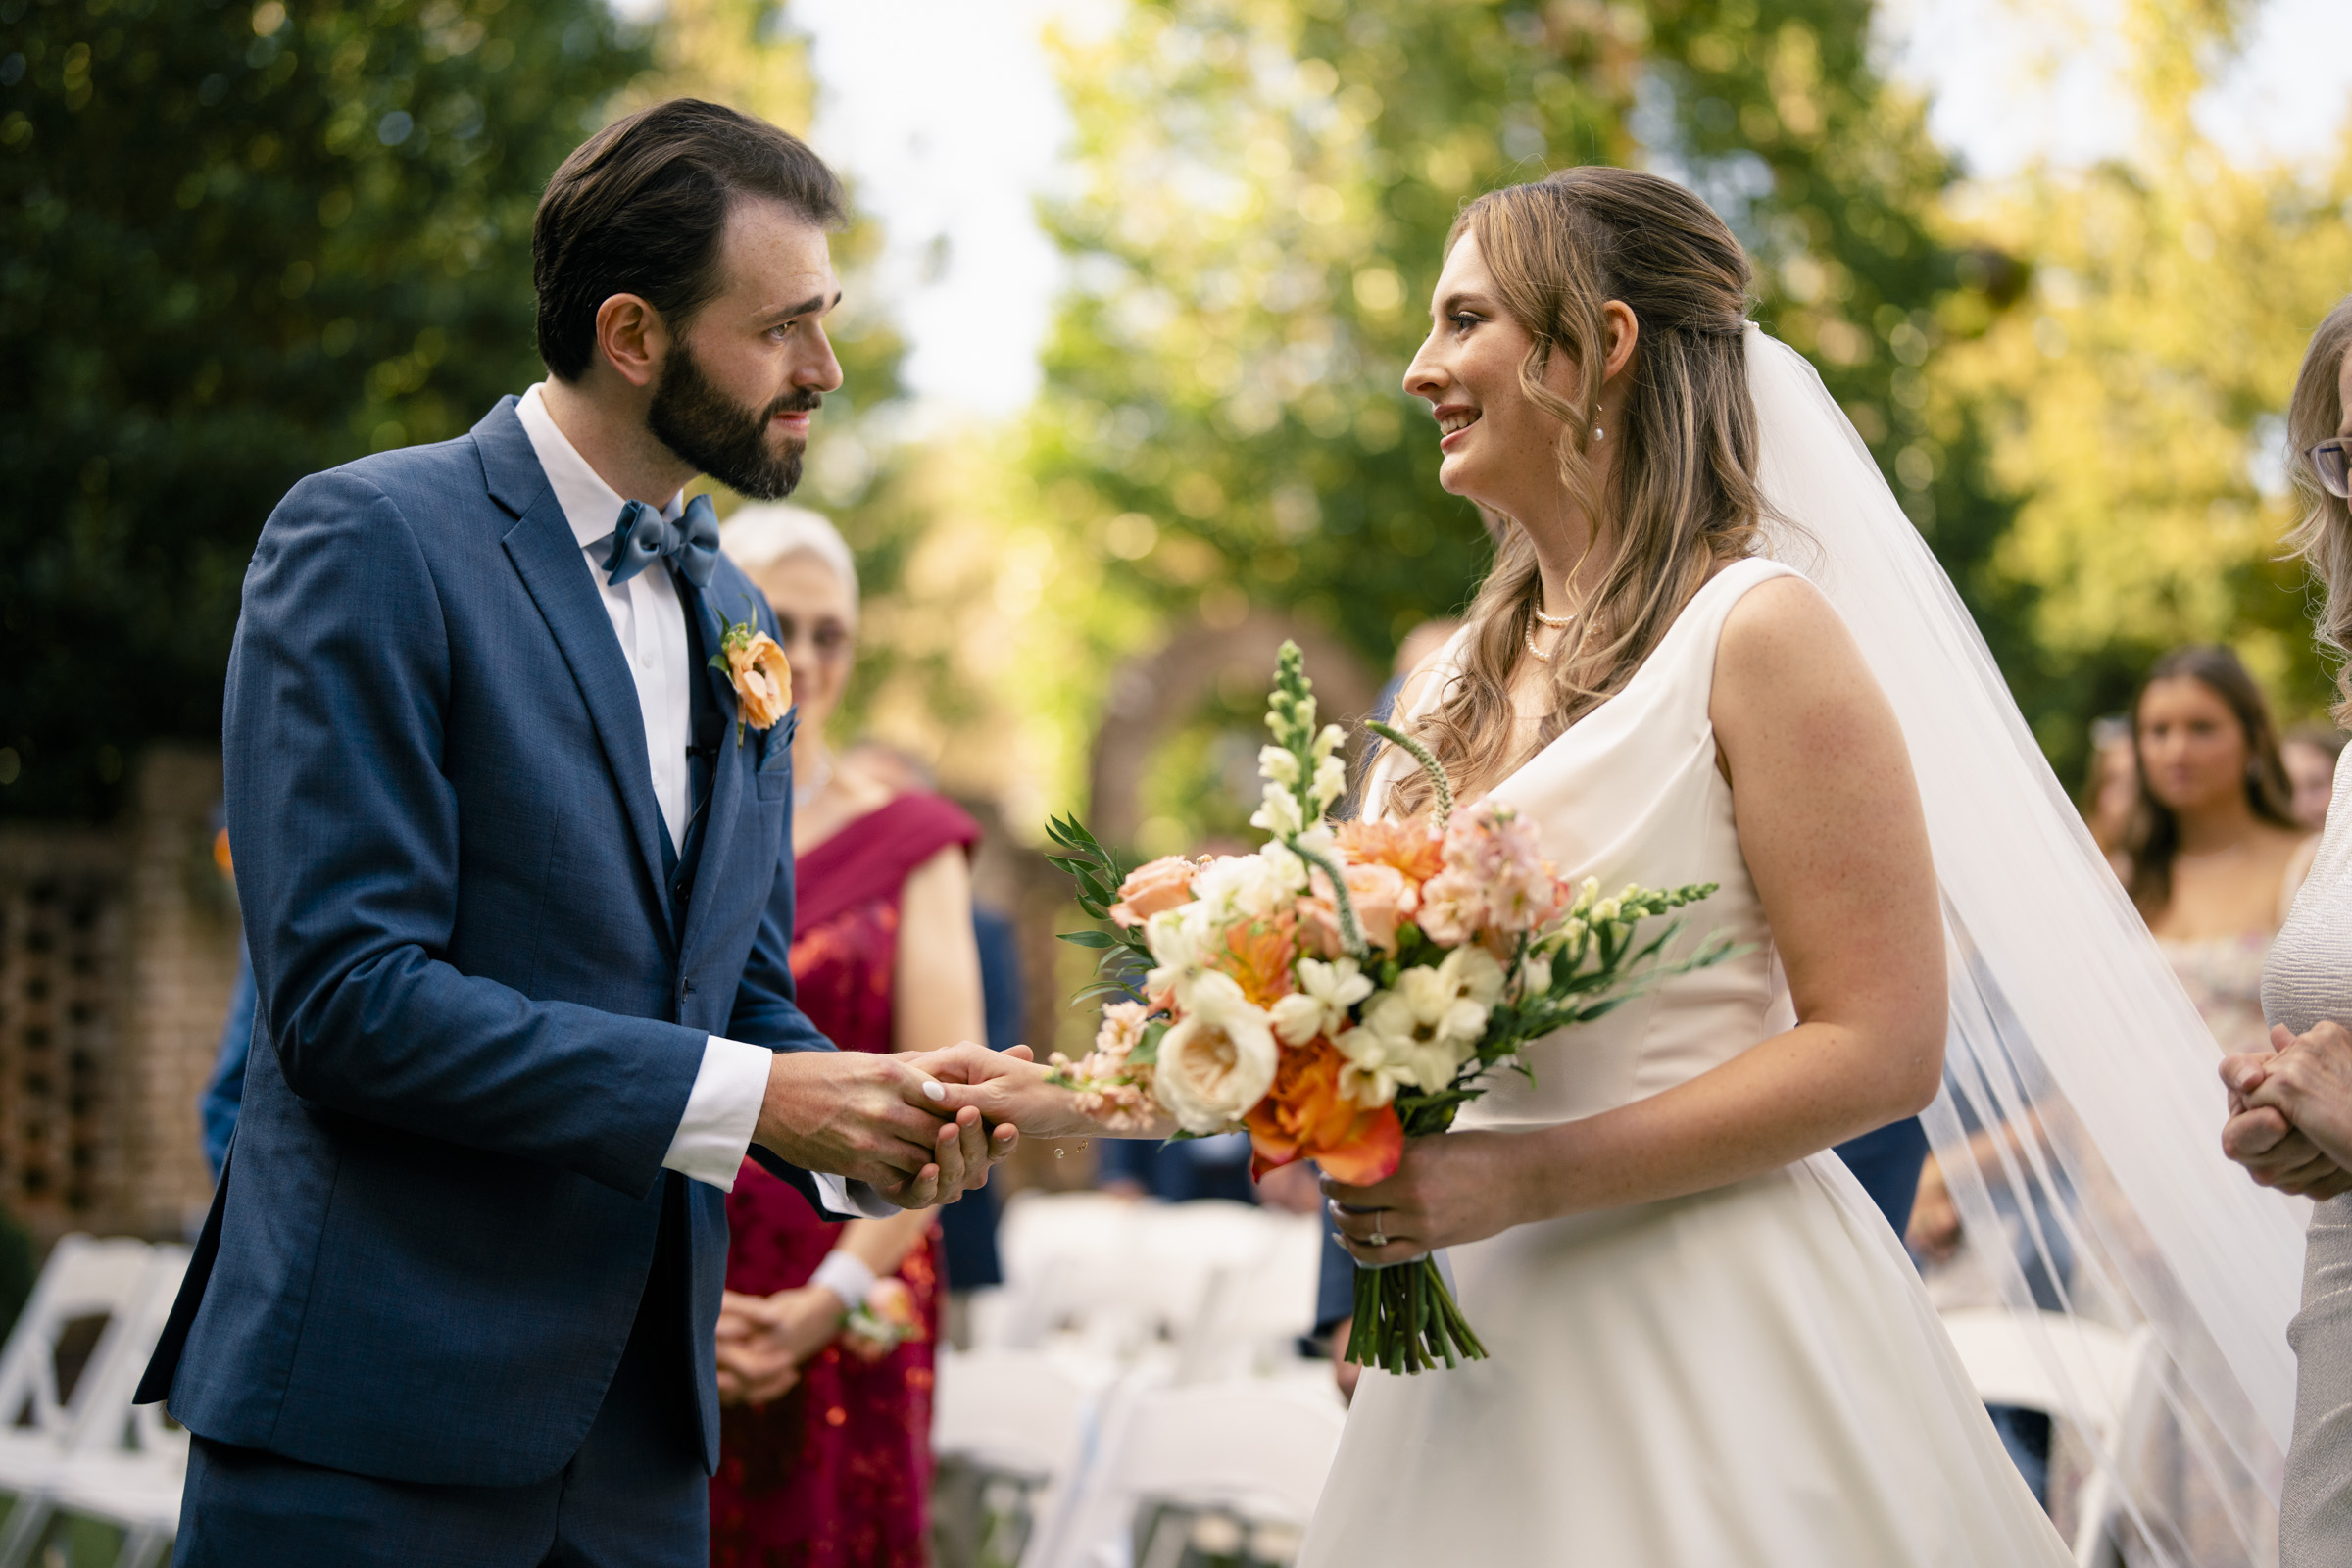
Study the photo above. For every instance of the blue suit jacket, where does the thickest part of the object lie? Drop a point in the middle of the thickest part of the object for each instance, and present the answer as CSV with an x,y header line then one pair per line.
x,y
479,1015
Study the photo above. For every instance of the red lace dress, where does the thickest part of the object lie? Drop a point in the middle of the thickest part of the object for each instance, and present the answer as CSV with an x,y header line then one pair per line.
x,y
837,1473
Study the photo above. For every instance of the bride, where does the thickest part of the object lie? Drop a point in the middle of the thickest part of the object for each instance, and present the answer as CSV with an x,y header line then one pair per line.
x,y
1707,1348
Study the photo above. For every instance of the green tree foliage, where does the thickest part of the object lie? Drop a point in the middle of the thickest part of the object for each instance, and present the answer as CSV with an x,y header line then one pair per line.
x,y
239,243
1265,188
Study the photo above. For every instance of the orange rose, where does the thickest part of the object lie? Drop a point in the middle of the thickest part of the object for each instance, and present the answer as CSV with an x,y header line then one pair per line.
x,y
1413,845
762,677
1157,885
1257,954
1304,1116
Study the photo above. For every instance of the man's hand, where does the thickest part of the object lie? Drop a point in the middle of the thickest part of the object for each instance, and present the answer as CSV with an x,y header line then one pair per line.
x,y
2291,1126
865,1116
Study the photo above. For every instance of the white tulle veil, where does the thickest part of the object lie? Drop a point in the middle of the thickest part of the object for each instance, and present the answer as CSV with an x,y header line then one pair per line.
x,y
2075,1061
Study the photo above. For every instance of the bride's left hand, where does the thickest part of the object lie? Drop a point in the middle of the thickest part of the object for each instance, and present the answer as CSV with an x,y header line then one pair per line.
x,y
1449,1188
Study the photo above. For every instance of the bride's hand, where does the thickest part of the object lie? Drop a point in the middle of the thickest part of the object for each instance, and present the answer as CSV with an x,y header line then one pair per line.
x,y
1449,1188
1010,1089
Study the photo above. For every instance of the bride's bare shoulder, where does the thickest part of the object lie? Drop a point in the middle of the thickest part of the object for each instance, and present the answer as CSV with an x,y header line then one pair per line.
x,y
1784,645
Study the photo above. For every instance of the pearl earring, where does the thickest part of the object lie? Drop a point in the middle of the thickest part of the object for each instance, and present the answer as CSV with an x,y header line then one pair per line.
x,y
1598,433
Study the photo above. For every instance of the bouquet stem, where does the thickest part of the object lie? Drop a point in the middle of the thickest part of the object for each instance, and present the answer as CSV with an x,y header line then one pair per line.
x,y
1407,1320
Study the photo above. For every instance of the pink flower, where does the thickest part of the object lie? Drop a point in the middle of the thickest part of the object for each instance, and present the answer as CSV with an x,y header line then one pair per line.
x,y
1157,885
1454,907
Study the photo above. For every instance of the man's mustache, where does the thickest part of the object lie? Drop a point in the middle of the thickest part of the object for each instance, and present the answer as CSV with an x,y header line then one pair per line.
x,y
806,401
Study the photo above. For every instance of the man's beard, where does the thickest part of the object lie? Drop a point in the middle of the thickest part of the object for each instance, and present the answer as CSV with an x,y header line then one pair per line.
x,y
720,437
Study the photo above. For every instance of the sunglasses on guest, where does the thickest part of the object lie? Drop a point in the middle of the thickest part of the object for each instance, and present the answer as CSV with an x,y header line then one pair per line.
x,y
2331,465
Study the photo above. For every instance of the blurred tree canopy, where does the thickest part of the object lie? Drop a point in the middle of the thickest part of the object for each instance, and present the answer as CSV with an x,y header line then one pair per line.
x,y
2136,402
1265,188
242,242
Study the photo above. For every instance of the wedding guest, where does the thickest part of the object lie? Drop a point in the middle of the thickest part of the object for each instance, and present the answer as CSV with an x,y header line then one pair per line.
x,y
825,1440
2112,792
2291,1110
2215,854
2310,751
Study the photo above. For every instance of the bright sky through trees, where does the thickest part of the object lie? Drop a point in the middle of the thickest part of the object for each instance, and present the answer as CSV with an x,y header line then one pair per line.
x,y
947,115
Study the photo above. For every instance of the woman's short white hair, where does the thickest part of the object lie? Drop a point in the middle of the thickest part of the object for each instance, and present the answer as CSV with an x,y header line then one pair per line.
x,y
758,535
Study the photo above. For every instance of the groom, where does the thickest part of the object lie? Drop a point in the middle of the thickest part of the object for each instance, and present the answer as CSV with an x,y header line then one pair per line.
x,y
516,863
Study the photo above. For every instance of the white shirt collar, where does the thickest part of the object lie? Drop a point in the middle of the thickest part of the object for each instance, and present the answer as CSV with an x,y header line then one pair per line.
x,y
591,506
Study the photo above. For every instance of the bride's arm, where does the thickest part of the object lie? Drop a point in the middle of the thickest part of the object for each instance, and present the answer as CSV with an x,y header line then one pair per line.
x,y
1830,823
1010,1087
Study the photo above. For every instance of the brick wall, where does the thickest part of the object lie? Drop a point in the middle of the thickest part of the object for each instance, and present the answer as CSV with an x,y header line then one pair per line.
x,y
118,948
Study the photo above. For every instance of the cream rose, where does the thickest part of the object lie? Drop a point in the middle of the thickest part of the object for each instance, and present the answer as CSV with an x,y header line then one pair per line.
x,y
1219,1059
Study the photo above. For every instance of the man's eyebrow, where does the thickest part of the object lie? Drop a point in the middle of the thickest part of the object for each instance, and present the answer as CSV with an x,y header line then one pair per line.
x,y
813,305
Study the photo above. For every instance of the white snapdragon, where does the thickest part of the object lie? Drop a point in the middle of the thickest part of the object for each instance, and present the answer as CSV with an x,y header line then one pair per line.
x,y
1218,1060
1319,1006
1329,740
1534,975
1331,782
1280,815
1278,764
1180,939
1287,870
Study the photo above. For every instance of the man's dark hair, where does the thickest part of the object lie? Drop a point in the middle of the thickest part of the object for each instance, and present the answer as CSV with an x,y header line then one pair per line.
x,y
639,207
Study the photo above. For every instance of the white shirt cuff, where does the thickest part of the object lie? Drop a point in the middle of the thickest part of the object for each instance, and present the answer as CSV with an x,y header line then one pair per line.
x,y
854,1199
722,1111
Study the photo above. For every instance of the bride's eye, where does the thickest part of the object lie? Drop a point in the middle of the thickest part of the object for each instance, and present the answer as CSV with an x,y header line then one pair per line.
x,y
1462,323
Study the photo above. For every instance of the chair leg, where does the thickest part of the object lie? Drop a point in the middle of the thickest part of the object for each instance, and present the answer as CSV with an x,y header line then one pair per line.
x,y
23,1530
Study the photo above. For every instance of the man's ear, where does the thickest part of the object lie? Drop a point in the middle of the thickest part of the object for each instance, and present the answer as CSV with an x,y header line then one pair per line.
x,y
632,337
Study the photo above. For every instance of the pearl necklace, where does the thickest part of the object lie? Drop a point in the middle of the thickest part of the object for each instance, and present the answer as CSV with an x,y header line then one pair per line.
x,y
1554,621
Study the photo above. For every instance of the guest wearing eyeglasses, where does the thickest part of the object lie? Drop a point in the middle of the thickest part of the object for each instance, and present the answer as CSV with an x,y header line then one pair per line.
x,y
2291,1106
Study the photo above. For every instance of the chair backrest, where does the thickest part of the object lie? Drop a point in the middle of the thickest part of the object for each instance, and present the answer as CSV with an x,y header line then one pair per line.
x,y
79,1324
1122,1274
1264,1447
108,1423
1257,1306
1020,1410
2047,1361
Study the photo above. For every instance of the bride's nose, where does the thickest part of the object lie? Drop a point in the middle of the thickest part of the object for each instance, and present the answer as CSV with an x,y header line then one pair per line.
x,y
1425,378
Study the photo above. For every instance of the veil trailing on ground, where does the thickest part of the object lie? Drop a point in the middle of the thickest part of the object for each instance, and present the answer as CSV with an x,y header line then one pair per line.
x,y
2078,1075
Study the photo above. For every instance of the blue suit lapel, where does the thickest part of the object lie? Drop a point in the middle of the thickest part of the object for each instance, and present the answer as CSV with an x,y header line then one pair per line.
x,y
726,772
548,558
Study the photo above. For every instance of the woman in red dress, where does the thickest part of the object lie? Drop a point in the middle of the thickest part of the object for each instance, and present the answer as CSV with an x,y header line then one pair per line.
x,y
825,1445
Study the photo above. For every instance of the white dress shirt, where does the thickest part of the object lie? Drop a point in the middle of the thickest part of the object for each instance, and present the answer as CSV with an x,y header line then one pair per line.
x,y
723,1107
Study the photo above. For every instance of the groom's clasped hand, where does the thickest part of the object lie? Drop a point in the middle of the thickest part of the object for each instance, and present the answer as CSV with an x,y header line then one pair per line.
x,y
885,1120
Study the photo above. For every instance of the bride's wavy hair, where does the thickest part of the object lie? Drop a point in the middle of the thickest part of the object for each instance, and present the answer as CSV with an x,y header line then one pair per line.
x,y
2322,536
1683,498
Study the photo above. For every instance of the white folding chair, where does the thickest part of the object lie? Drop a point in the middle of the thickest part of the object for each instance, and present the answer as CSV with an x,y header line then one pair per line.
x,y
1260,1447
109,1491
1256,1305
2102,1380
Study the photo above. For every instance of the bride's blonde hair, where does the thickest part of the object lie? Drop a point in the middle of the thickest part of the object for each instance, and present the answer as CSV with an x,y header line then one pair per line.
x,y
1684,496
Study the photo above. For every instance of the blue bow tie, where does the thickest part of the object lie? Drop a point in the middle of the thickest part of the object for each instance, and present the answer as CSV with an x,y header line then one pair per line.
x,y
644,536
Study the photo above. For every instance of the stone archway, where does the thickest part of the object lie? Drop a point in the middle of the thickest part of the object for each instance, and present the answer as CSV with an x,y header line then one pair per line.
x,y
1154,692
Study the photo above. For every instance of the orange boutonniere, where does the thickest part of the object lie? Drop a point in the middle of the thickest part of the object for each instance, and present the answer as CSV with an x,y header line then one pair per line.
x,y
760,673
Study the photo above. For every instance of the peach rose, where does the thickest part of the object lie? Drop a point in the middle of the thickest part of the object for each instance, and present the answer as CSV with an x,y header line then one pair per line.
x,y
762,677
1413,845
1304,1115
1383,898
1162,884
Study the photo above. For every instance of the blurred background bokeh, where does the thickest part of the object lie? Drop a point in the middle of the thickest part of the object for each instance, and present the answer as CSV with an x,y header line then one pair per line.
x,y
1127,310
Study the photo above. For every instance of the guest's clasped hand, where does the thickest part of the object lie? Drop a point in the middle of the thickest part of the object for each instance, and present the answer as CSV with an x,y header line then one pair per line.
x,y
2291,1111
884,1120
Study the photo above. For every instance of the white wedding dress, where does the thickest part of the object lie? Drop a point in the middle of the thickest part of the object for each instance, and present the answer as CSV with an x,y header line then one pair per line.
x,y
1751,1376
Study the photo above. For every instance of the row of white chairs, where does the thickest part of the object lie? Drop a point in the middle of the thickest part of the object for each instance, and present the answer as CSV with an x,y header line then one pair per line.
x,y
1100,1446
1141,1354
1219,1289
88,1480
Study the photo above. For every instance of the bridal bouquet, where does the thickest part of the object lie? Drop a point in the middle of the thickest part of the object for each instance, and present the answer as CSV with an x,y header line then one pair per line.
x,y
1346,988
